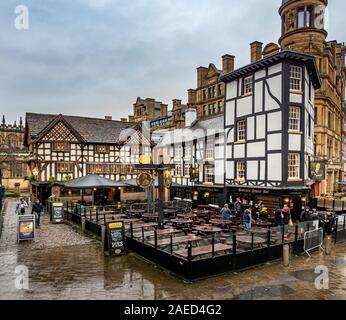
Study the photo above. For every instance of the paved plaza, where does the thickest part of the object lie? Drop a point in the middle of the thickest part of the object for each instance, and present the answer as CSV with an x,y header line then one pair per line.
x,y
64,264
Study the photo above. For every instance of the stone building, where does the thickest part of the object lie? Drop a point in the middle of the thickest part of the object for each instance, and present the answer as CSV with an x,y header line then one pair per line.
x,y
147,109
208,97
13,157
304,30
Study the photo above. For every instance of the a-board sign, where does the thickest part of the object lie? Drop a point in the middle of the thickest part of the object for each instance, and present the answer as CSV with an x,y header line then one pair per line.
x,y
26,228
57,212
116,240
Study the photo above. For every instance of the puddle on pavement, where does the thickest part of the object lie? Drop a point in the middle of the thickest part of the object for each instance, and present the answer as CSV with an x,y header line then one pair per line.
x,y
304,275
262,292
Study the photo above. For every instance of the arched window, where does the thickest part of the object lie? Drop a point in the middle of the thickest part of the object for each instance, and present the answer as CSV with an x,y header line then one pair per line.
x,y
12,141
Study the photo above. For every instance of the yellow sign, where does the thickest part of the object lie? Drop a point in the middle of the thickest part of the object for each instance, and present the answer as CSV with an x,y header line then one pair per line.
x,y
115,225
58,204
167,159
145,180
144,159
167,179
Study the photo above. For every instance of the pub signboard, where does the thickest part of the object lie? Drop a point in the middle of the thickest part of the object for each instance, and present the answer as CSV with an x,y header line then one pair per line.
x,y
318,170
26,228
115,244
57,212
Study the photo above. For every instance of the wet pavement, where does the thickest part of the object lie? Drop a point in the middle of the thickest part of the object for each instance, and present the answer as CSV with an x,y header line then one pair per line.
x,y
64,264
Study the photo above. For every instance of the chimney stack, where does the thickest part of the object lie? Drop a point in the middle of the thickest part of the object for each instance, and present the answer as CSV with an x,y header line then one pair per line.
x,y
227,63
123,119
191,98
108,118
256,51
190,116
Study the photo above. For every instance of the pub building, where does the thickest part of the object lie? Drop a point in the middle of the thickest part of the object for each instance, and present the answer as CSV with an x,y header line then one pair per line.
x,y
197,153
269,125
68,147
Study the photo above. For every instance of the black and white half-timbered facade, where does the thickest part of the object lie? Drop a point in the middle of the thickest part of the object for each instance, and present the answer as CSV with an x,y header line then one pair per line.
x,y
68,147
197,152
269,129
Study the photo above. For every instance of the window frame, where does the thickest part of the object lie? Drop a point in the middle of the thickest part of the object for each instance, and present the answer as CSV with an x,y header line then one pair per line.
x,y
209,174
297,120
241,168
247,87
296,78
295,167
67,146
244,130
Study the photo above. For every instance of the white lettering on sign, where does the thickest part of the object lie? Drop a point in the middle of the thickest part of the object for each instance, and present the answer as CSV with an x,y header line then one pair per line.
x,y
21,22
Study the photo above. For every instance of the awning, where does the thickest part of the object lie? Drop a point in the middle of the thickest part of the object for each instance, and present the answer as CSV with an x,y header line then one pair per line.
x,y
93,181
133,183
343,183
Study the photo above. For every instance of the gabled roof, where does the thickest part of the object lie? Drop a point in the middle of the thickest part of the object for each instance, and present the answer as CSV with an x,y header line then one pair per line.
x,y
90,130
308,60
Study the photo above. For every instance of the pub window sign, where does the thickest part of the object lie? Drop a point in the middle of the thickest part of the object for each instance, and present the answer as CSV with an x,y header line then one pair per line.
x,y
318,170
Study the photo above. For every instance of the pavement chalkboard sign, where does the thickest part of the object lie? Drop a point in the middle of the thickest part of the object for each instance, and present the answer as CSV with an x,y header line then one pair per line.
x,y
26,228
57,212
116,240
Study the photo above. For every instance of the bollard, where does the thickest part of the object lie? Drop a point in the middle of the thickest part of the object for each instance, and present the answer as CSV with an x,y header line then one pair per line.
x,y
83,224
328,245
286,255
103,234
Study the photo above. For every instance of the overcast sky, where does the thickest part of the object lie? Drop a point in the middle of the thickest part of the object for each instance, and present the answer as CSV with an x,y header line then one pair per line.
x,y
94,57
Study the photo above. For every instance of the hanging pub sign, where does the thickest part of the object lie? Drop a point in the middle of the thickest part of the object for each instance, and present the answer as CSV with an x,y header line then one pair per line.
x,y
115,244
26,228
318,170
145,180
167,179
57,212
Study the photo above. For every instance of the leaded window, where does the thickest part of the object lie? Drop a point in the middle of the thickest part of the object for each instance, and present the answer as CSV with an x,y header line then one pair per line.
x,y
293,165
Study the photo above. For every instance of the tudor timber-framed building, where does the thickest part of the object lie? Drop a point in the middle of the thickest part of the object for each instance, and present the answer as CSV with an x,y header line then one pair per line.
x,y
269,129
69,147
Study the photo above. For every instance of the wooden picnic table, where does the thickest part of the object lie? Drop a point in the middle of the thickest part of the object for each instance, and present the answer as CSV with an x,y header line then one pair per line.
x,y
170,211
263,224
140,225
201,251
248,240
187,215
182,222
208,229
150,216
258,230
137,211
220,222
176,240
151,233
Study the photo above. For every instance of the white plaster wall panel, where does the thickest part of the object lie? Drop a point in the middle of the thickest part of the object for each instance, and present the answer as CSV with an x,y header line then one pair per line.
x,y
250,128
219,171
256,150
260,74
274,167
229,152
258,96
201,168
219,152
230,111
296,98
274,141
244,106
275,69
252,170
230,137
230,170
232,90
294,143
239,151
260,127
274,121
275,87
262,170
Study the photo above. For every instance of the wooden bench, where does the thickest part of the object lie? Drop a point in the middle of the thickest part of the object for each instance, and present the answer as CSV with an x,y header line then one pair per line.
x,y
175,240
201,251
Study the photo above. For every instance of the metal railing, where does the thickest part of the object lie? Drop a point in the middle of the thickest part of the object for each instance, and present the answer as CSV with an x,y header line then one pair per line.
x,y
313,240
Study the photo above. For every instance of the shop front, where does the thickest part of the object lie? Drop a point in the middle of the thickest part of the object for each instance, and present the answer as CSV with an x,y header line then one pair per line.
x,y
200,195
271,198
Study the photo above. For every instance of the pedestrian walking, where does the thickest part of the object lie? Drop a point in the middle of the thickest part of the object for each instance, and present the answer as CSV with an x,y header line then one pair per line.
x,y
22,205
225,213
37,209
238,207
247,219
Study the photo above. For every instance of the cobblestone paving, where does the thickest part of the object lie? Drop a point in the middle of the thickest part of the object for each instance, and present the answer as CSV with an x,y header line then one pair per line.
x,y
81,271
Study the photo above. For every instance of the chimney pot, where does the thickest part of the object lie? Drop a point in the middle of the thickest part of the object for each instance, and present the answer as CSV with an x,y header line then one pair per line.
x,y
109,118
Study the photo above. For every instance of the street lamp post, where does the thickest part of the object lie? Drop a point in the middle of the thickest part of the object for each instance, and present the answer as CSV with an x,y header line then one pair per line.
x,y
1,190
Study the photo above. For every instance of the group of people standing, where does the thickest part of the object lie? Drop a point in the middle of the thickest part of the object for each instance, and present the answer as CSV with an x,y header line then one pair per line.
x,y
37,209
257,212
